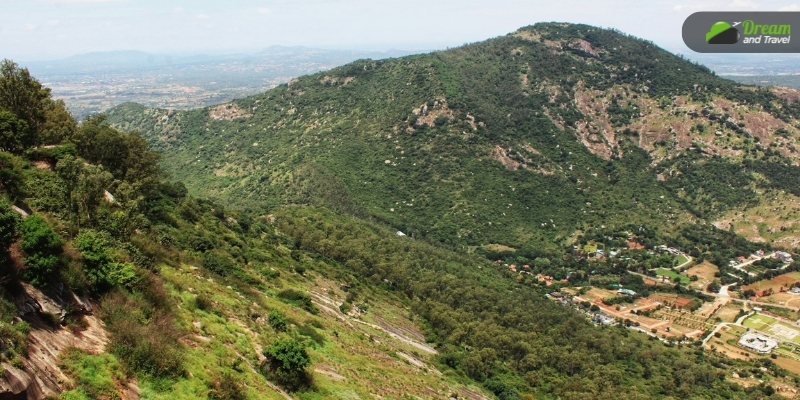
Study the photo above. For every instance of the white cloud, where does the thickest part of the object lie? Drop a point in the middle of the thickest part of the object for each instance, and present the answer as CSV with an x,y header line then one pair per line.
x,y
202,16
790,7
29,27
53,22
178,10
264,10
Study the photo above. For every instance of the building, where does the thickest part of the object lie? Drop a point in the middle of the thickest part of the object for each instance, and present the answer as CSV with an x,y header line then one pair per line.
x,y
757,343
600,318
626,292
783,256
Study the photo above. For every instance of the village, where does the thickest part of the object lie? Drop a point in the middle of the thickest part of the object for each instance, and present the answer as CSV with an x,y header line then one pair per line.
x,y
756,315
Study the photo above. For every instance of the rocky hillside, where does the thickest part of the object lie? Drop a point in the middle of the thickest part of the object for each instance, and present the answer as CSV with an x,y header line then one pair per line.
x,y
529,138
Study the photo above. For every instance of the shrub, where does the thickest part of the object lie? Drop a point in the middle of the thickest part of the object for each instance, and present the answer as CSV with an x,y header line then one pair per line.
x,y
216,263
226,387
297,298
308,331
286,364
277,320
42,248
146,345
100,266
9,222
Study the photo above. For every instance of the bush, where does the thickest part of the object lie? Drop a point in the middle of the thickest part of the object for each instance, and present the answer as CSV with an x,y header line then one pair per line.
x,y
227,388
216,263
42,248
277,320
286,363
297,298
308,331
148,346
100,266
9,222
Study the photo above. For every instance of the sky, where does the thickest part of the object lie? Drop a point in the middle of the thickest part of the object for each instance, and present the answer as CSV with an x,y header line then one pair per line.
x,y
32,30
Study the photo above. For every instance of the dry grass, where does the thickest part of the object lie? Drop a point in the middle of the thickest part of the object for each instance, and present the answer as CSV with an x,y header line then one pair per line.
x,y
728,312
705,274
782,281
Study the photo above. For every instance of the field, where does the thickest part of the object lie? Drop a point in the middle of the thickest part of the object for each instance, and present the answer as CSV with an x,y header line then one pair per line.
x,y
672,274
774,327
728,312
681,259
704,272
776,283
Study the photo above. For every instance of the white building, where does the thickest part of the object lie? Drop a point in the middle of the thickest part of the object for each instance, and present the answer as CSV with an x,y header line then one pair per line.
x,y
783,256
757,343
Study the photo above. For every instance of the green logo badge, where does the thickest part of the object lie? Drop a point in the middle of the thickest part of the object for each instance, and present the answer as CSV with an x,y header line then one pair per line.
x,y
722,33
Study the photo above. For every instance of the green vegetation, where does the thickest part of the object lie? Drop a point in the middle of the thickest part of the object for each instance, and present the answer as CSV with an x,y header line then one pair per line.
x,y
297,197
287,361
42,248
684,280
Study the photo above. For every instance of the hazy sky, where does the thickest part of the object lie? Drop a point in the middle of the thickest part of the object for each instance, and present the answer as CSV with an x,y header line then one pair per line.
x,y
46,29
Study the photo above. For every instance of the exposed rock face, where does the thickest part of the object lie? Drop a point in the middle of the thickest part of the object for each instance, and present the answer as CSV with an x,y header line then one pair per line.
x,y
40,376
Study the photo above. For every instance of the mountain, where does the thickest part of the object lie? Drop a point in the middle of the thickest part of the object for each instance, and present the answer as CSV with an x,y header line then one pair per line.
x,y
525,140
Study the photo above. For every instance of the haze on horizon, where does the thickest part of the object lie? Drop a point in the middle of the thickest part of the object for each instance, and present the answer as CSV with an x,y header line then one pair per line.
x,y
51,29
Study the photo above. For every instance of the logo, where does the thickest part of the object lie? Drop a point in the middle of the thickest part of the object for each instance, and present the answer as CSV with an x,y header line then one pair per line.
x,y
741,31
722,33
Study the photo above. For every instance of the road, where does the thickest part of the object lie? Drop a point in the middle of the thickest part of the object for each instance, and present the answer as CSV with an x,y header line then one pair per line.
x,y
721,324
741,266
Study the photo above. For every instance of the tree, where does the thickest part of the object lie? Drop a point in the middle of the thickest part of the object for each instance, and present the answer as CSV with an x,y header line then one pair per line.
x,y
12,131
11,178
42,248
24,96
9,221
286,363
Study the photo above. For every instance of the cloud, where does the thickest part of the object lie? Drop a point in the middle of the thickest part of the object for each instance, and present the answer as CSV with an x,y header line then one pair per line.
x,y
790,7
203,16
264,10
53,22
178,10
29,27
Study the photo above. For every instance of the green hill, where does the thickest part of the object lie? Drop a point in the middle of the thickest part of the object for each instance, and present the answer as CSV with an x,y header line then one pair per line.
x,y
523,140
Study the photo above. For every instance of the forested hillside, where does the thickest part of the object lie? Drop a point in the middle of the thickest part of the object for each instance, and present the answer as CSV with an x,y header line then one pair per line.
x,y
280,271
524,139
